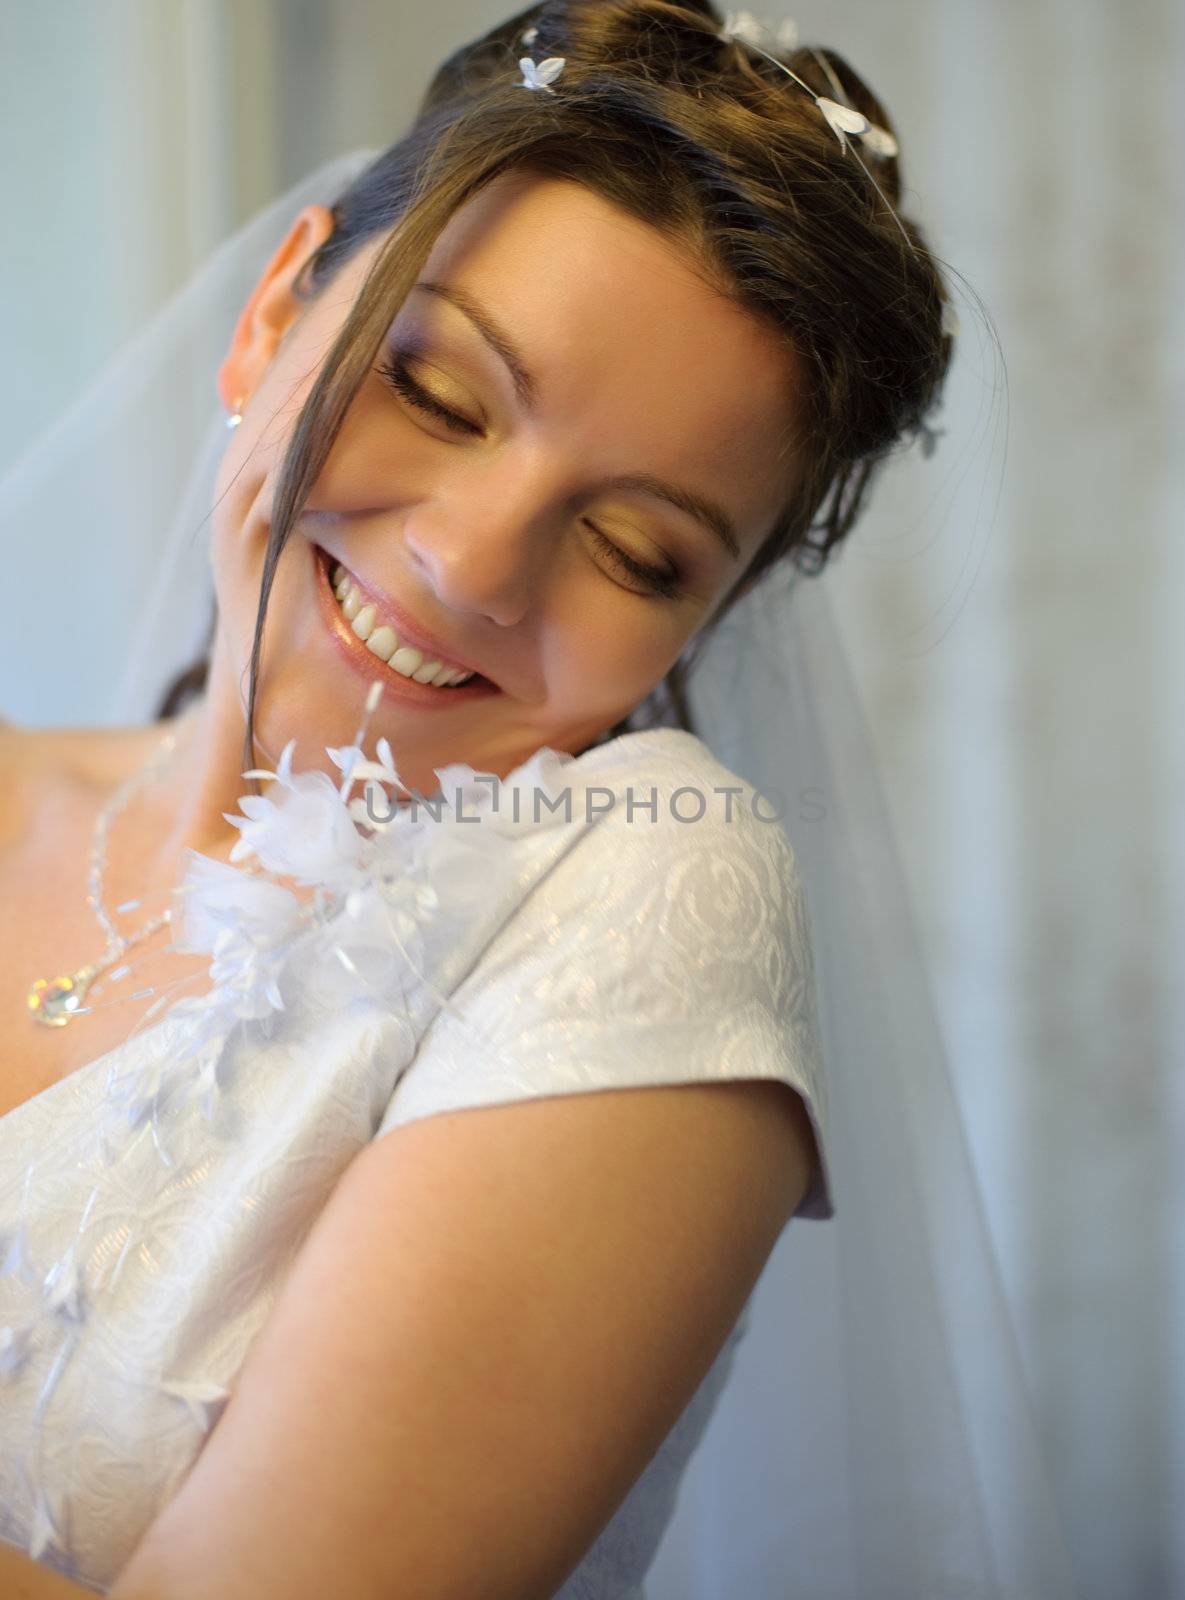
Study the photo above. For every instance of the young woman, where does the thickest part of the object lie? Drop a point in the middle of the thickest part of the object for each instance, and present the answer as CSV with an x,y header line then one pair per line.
x,y
325,1270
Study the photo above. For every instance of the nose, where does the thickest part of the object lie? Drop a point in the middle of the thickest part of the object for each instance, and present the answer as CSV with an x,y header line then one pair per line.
x,y
479,557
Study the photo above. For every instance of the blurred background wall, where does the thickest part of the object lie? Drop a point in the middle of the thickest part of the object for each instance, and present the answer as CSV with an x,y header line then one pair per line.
x,y
1013,604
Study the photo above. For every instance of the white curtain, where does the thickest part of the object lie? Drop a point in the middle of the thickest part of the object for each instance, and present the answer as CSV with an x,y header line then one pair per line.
x,y
1012,605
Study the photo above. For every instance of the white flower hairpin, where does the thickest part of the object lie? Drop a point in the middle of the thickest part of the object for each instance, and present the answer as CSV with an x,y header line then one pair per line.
x,y
754,30
540,74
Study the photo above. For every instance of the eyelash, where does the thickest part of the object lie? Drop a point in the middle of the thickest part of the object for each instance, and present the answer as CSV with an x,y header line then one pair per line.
x,y
659,581
401,380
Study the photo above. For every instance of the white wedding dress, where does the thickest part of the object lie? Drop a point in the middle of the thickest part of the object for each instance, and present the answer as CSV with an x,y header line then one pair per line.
x,y
608,950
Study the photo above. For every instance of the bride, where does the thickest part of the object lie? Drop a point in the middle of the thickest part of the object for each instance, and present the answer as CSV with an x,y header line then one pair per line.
x,y
324,1270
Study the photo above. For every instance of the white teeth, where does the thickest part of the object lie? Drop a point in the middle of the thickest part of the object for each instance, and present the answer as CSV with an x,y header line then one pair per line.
x,y
363,622
406,659
382,641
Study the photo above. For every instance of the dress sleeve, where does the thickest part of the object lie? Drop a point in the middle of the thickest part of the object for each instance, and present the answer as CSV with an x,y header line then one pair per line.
x,y
654,952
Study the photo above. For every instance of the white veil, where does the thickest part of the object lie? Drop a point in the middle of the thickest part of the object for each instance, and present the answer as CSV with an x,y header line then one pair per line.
x,y
875,1438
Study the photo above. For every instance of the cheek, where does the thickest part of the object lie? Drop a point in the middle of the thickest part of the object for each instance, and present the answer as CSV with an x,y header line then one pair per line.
x,y
377,461
615,650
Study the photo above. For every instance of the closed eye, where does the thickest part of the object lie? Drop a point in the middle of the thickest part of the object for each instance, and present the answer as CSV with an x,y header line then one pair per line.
x,y
658,580
400,379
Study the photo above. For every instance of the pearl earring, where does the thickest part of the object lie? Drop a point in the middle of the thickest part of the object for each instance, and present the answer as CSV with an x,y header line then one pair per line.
x,y
236,416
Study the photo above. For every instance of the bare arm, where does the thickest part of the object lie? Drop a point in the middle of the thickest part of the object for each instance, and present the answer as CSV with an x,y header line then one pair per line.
x,y
494,1323
23,1579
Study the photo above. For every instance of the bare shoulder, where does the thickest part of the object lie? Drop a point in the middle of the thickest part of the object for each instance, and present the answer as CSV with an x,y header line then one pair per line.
x,y
30,767
494,1323
80,755
46,774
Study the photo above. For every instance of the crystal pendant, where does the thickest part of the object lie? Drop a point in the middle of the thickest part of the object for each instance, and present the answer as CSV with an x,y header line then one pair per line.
x,y
54,1002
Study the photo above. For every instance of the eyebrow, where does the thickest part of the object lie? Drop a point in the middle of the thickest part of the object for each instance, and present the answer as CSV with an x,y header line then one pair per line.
x,y
701,507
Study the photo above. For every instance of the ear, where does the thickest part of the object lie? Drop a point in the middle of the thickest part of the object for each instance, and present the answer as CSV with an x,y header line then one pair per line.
x,y
272,308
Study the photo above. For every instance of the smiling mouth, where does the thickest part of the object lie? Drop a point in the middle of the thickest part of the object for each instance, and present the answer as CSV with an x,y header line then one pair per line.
x,y
373,641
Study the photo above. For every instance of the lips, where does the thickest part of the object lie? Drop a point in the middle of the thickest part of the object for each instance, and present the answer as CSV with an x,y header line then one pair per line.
x,y
408,629
366,662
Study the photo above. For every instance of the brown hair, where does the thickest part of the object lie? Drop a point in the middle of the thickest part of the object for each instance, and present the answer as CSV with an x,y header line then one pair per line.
x,y
715,146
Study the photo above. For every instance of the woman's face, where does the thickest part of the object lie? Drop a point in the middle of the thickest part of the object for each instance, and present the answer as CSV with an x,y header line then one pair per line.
x,y
514,536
